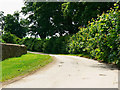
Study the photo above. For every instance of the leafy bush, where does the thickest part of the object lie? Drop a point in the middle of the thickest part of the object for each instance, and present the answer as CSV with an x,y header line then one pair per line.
x,y
33,44
10,38
101,38
56,45
29,43
1,40
53,45
78,42
38,45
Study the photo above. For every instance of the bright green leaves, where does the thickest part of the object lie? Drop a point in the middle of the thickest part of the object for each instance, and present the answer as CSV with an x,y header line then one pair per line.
x,y
65,8
101,38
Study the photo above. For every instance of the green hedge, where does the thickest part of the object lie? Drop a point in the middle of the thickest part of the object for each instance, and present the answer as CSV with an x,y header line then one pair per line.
x,y
101,38
7,37
56,45
33,44
53,45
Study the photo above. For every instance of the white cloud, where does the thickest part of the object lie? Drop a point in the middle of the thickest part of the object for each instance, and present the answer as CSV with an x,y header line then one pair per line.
x,y
9,6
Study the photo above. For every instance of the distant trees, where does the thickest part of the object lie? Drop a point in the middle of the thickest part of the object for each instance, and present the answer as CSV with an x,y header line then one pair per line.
x,y
13,24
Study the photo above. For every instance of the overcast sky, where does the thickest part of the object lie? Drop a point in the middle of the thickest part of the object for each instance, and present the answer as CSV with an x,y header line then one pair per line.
x,y
9,6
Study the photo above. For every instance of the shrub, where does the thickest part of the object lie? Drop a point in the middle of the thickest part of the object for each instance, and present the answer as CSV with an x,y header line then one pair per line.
x,y
56,45
29,43
33,44
101,38
38,45
78,42
7,37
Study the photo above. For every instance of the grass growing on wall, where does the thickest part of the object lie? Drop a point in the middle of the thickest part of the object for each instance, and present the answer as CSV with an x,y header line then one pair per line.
x,y
18,66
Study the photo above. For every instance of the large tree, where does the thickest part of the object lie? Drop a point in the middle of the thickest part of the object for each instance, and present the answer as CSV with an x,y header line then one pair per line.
x,y
82,12
49,18
45,19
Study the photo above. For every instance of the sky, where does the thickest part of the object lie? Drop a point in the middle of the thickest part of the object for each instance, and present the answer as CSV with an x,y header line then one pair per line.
x,y
10,6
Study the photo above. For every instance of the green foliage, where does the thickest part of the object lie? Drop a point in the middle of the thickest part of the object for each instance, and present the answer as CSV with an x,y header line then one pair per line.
x,y
12,24
1,40
48,18
101,38
38,45
78,42
53,45
10,38
82,12
29,42
56,45
33,44
41,15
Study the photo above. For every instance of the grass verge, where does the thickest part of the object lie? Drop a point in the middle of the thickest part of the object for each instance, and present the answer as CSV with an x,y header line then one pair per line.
x,y
19,66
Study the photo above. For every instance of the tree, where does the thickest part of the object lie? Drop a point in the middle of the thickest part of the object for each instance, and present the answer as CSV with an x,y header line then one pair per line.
x,y
48,18
12,24
82,12
45,19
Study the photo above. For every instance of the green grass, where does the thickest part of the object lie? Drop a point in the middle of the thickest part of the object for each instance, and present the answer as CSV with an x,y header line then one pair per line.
x,y
18,66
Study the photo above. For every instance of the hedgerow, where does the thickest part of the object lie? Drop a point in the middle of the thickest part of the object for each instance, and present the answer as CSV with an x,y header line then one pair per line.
x,y
33,44
52,45
101,38
56,45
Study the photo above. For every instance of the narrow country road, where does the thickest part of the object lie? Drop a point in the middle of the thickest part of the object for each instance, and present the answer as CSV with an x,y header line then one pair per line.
x,y
70,72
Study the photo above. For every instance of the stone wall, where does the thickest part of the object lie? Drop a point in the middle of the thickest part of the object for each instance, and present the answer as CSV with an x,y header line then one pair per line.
x,y
12,50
